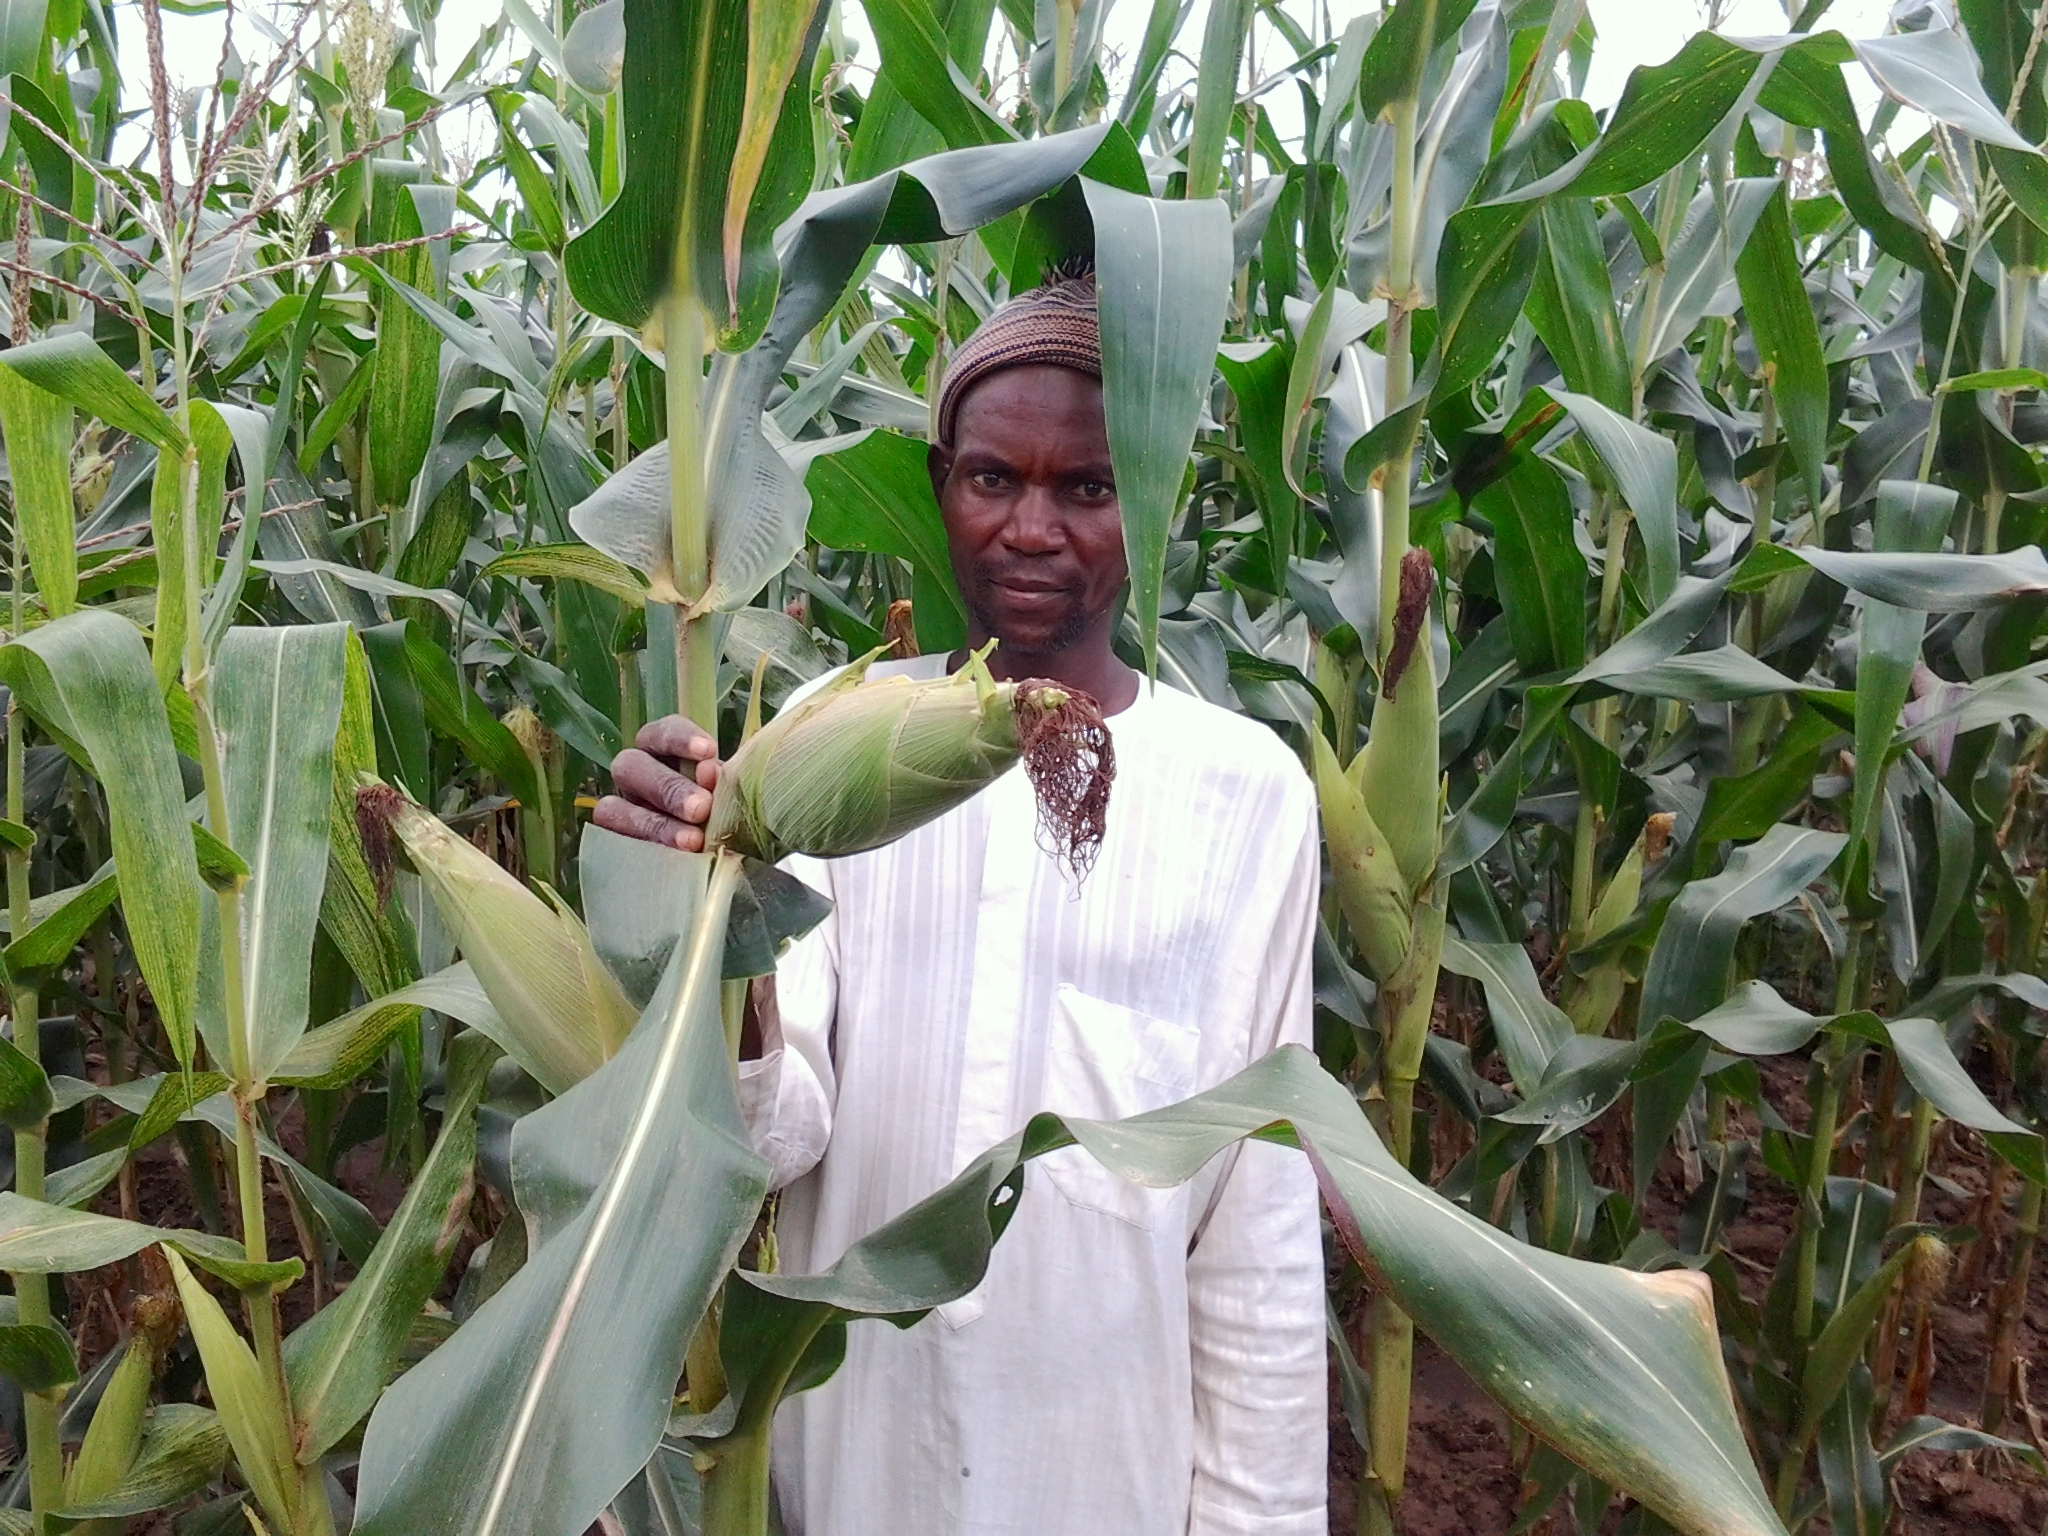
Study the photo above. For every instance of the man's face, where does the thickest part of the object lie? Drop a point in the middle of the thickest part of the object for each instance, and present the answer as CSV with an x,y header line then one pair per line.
x,y
1029,502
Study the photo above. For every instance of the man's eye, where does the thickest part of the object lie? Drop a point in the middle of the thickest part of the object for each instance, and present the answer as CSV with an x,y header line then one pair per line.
x,y
1097,490
989,480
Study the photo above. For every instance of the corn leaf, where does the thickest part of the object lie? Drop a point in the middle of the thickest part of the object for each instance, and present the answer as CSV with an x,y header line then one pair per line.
x,y
38,430
70,365
639,1184
87,677
247,1410
339,1361
41,1239
1162,280
278,694
1619,1370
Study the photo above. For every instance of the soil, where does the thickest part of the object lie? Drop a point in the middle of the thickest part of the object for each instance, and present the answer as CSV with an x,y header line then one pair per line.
x,y
1464,1456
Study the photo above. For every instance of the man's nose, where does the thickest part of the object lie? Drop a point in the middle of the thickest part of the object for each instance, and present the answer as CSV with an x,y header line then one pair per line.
x,y
1034,526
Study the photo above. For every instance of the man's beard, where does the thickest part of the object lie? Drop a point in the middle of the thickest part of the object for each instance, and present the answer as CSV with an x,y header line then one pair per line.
x,y
1067,634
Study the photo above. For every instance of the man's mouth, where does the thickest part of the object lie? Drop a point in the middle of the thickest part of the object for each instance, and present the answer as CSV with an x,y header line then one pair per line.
x,y
1027,587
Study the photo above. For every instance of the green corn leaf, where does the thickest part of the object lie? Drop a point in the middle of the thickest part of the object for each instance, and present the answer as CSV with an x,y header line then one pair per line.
x,y
1216,76
877,495
1787,338
1531,1028
405,367
24,1089
917,61
41,1239
640,1184
278,696
339,1361
37,425
251,1416
1644,465
1532,1327
572,562
1571,303
1163,282
21,37
1936,583
1841,1342
36,1357
1849,1468
1688,970
72,367
1931,1067
1910,517
1540,571
87,678
184,1447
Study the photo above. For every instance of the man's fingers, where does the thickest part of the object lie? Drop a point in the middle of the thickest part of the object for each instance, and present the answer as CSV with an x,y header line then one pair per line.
x,y
673,736
629,820
647,781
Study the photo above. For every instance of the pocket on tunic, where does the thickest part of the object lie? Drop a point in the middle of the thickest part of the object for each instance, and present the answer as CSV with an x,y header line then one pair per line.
x,y
1105,1061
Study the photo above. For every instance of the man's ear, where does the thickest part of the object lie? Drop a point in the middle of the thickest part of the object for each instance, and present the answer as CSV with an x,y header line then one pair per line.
x,y
938,463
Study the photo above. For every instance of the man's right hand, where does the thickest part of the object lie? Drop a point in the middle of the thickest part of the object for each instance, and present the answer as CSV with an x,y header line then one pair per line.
x,y
664,783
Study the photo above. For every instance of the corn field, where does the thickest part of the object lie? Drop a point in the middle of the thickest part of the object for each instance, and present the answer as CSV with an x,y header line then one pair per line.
x,y
1632,517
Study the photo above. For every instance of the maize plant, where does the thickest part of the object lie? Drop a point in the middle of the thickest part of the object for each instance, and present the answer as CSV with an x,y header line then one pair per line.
x,y
1630,511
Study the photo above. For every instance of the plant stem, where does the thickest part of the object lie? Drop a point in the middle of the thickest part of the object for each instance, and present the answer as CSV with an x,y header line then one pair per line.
x,y
2011,1305
1401,301
259,1305
1406,1003
1813,1197
736,1486
689,537
32,1292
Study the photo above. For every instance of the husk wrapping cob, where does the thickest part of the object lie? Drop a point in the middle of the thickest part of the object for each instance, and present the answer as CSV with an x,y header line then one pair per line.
x,y
563,1012
860,763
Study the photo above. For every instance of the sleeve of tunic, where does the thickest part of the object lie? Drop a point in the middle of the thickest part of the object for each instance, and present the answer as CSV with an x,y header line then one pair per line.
x,y
787,1095
1255,1275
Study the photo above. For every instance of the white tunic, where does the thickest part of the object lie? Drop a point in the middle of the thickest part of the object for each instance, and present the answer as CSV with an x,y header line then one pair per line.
x,y
1139,1362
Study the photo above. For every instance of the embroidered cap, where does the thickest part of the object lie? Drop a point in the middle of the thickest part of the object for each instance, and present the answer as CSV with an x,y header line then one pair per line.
x,y
1055,323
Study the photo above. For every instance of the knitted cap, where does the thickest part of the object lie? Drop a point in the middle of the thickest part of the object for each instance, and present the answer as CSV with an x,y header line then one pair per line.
x,y
1055,324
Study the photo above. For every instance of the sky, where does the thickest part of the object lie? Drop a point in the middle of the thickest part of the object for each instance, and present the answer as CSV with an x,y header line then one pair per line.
x,y
1630,33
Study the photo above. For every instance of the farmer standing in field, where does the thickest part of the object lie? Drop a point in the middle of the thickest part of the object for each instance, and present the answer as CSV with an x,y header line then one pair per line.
x,y
1141,1362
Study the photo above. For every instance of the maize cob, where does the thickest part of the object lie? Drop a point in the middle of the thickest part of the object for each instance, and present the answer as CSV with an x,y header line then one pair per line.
x,y
1370,887
859,764
1396,774
563,1011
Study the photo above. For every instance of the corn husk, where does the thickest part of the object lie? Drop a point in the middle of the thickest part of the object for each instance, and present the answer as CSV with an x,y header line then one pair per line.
x,y
562,1010
1397,772
860,763
1370,887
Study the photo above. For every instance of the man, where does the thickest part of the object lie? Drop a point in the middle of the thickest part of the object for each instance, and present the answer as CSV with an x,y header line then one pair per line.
x,y
1139,1362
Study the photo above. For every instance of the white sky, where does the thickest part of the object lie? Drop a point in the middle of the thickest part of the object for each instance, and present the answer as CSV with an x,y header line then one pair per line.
x,y
1630,33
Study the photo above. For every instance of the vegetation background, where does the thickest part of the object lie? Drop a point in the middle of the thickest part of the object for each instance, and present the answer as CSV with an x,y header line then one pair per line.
x,y
1604,442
